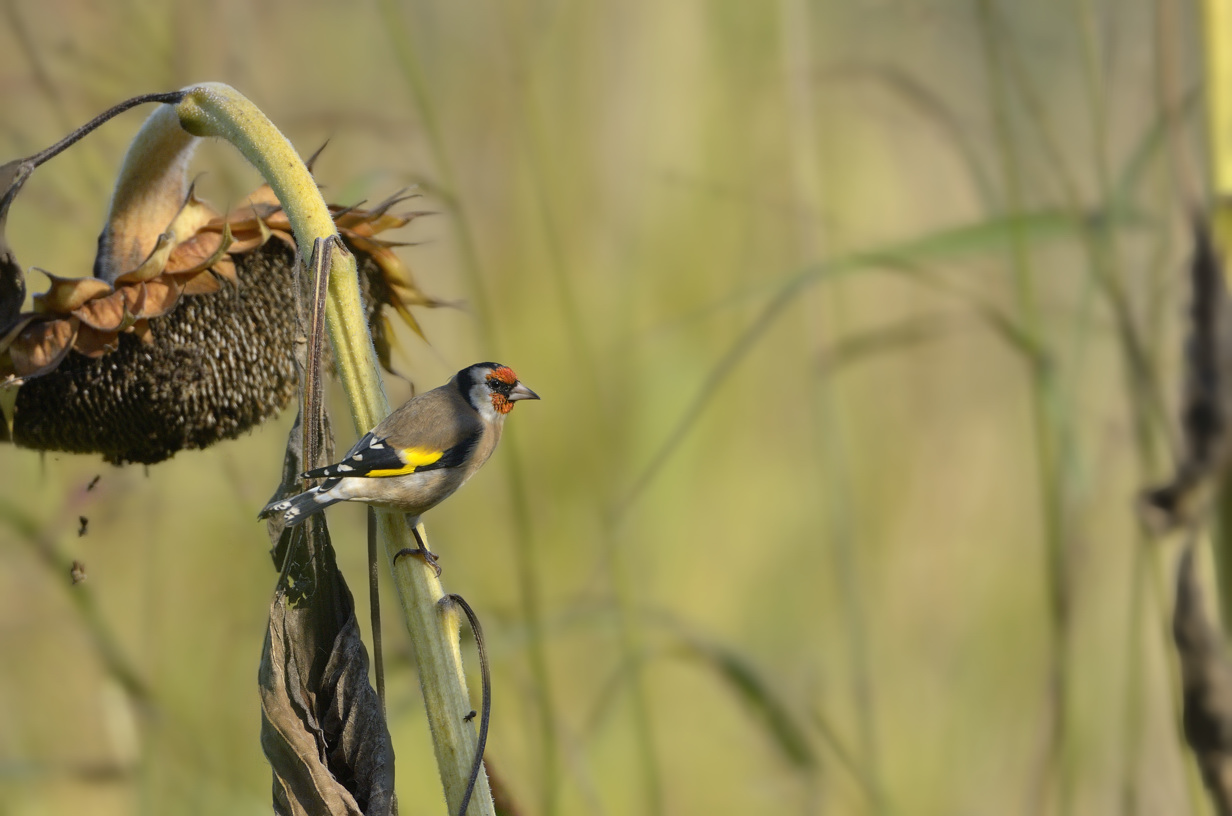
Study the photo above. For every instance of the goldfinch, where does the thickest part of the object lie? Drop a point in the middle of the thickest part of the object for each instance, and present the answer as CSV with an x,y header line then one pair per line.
x,y
422,452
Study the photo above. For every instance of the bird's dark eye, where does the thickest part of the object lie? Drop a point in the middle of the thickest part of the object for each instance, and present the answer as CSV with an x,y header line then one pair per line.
x,y
499,386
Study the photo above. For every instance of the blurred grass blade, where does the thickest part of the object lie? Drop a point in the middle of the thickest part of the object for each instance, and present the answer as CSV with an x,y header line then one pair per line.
x,y
931,107
830,736
736,672
900,334
983,237
774,715
991,235
1145,152
986,237
104,640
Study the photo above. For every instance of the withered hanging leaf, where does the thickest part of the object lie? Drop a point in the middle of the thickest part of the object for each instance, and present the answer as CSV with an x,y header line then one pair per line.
x,y
12,279
1208,393
41,346
322,728
1206,678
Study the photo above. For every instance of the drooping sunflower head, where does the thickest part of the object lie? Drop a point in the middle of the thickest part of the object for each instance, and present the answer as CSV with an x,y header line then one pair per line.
x,y
184,333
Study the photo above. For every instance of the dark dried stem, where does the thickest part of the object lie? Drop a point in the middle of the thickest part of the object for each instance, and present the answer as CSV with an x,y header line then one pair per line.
x,y
313,387
77,135
486,713
374,603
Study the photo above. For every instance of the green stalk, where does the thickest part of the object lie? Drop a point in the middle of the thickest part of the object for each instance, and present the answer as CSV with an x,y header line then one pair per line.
x,y
1216,19
1217,31
830,418
1046,424
216,110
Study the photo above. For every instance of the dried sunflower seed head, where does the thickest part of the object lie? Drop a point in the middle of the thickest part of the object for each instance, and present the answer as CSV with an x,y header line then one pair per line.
x,y
183,336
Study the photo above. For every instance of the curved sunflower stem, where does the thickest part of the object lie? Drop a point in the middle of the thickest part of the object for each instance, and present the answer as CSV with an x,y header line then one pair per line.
x,y
217,110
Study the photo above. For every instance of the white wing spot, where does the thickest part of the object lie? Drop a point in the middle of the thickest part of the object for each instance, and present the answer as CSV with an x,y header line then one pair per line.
x,y
293,512
359,457
282,505
376,446
345,468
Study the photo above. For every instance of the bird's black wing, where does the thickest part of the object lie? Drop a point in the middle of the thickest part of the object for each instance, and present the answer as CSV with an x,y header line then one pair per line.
x,y
377,458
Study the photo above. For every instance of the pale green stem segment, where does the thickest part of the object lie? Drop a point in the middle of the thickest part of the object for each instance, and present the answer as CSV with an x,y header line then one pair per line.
x,y
1217,27
218,110
1217,30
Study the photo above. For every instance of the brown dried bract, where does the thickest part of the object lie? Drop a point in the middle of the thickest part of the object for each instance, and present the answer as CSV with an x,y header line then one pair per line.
x,y
195,255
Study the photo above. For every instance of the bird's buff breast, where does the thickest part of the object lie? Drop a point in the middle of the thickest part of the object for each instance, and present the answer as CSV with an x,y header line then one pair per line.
x,y
414,493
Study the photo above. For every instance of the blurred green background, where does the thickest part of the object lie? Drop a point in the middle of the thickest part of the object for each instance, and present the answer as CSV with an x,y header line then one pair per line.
x,y
781,536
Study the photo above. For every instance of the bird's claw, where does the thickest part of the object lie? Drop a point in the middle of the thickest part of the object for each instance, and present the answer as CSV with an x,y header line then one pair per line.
x,y
429,557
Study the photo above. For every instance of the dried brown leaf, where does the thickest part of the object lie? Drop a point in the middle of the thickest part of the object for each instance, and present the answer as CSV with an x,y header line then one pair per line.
x,y
141,330
93,343
106,314
67,294
199,253
322,726
202,283
1206,679
42,345
263,200
225,270
154,264
161,295
1208,394
14,331
12,278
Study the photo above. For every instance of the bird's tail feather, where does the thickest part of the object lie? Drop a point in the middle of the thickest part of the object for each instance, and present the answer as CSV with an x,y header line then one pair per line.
x,y
297,508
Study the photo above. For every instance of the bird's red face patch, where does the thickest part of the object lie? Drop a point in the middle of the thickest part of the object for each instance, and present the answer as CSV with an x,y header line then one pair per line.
x,y
504,378
504,374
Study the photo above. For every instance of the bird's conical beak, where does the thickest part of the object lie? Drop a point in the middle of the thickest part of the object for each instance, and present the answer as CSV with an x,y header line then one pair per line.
x,y
521,392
